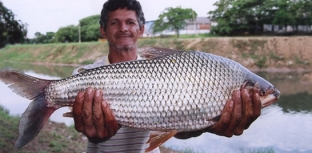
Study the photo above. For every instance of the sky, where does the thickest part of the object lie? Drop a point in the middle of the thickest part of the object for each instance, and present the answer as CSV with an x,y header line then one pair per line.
x,y
49,15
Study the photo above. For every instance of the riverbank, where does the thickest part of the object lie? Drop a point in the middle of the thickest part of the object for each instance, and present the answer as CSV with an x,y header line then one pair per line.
x,y
54,137
58,137
256,53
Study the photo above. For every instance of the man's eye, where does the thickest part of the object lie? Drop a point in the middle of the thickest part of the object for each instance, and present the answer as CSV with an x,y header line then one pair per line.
x,y
113,23
131,22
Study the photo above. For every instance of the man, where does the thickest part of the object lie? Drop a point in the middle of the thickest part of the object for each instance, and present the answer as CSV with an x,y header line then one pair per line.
x,y
122,23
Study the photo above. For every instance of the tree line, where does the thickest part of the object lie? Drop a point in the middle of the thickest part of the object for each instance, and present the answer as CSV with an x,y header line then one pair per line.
x,y
237,17
233,17
171,18
88,29
11,30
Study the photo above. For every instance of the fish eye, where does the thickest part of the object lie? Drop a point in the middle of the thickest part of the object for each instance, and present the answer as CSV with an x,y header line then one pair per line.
x,y
262,92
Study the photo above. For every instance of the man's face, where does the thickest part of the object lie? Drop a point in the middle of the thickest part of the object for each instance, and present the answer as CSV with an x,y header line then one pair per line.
x,y
122,30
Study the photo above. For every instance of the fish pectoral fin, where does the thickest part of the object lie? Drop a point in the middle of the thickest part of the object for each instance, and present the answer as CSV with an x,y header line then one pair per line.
x,y
215,119
68,114
158,138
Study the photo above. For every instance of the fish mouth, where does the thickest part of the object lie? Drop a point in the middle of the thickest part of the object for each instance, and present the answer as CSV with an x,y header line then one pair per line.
x,y
270,98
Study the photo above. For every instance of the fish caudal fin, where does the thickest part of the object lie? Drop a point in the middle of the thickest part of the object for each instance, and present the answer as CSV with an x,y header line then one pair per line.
x,y
38,112
33,120
156,139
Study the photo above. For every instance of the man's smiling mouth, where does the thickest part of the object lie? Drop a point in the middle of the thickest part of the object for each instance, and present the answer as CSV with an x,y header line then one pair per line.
x,y
123,36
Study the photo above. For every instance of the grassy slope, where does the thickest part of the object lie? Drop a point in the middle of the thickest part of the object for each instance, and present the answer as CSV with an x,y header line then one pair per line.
x,y
54,137
252,52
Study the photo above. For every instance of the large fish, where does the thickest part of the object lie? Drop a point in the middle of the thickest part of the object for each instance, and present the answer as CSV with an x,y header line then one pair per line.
x,y
171,90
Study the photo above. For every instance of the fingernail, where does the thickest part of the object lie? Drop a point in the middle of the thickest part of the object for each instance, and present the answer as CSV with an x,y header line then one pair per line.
x,y
97,93
89,90
104,103
231,103
81,94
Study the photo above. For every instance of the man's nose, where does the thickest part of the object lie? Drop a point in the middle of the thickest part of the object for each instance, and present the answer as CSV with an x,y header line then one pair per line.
x,y
123,27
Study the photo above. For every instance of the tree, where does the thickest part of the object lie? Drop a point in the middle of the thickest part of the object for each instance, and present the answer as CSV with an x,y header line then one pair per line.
x,y
44,39
67,34
283,16
237,17
223,17
174,19
11,31
302,14
90,28
49,37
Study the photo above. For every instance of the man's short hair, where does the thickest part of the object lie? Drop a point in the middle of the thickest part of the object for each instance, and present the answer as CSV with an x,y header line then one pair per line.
x,y
112,5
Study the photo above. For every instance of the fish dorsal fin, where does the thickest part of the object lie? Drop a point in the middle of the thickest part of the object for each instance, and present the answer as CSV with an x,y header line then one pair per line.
x,y
156,52
158,138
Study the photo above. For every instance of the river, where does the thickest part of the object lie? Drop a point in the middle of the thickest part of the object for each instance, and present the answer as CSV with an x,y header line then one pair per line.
x,y
284,127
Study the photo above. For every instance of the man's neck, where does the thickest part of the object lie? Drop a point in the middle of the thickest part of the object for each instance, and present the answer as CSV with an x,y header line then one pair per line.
x,y
116,56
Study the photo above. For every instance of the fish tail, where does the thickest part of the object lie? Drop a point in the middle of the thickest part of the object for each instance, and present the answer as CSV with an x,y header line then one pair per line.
x,y
33,120
38,112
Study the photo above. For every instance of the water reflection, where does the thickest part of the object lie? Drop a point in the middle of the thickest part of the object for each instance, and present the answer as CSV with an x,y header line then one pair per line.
x,y
17,105
282,127
298,103
274,129
55,71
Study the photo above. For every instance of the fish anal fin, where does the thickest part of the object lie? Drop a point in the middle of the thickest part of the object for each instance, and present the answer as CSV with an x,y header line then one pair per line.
x,y
215,119
159,138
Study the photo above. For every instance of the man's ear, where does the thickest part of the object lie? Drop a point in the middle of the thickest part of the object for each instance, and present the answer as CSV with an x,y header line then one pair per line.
x,y
142,28
103,33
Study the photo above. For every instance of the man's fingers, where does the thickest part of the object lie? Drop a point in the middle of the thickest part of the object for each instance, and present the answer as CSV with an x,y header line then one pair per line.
x,y
98,118
237,115
77,111
247,112
224,121
111,124
256,104
90,130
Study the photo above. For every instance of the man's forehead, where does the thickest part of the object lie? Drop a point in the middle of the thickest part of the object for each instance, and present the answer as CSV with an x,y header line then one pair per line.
x,y
123,13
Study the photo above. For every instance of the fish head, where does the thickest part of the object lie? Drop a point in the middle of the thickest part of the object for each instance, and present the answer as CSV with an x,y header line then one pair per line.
x,y
267,92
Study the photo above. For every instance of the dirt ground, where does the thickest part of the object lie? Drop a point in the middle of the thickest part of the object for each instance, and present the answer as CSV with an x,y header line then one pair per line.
x,y
270,54
280,52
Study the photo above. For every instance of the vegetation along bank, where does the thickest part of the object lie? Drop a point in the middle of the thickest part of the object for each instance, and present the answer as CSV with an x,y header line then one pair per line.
x,y
256,53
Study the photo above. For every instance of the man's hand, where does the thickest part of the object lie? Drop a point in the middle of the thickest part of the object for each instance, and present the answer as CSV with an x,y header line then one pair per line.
x,y
239,112
93,117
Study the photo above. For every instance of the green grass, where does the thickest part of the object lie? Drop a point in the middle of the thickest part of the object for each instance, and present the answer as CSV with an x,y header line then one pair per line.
x,y
68,53
200,35
56,138
300,62
242,150
8,128
276,57
81,53
259,150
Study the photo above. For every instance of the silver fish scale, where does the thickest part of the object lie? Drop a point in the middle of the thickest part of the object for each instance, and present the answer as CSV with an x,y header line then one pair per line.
x,y
181,91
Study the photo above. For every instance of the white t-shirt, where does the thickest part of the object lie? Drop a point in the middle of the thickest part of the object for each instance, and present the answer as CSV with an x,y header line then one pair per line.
x,y
126,140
